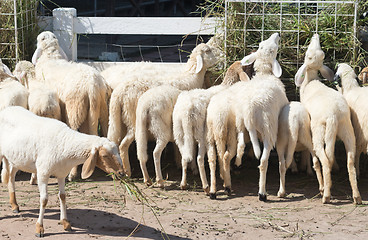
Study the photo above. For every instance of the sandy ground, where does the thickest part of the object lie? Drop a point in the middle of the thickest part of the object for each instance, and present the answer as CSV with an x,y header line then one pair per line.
x,y
97,209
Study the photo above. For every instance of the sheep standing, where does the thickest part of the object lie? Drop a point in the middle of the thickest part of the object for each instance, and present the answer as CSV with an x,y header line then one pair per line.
x,y
330,118
42,101
189,121
258,105
125,96
154,116
355,96
293,135
81,89
49,147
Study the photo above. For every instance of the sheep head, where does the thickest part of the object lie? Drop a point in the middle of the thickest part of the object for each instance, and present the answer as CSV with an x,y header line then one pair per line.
x,y
345,76
106,157
204,56
313,61
24,70
265,57
363,75
237,72
47,41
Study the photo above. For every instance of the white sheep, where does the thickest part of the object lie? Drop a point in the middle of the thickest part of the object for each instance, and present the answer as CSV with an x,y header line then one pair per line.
x,y
81,89
12,92
356,98
258,105
154,116
189,121
294,134
49,147
124,98
330,118
42,100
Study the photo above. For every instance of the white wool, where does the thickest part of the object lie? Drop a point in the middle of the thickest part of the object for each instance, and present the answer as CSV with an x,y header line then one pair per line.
x,y
125,96
330,118
49,147
154,116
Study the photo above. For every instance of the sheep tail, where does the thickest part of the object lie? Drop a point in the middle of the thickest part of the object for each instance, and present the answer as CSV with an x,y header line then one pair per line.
x,y
330,137
5,171
255,142
141,134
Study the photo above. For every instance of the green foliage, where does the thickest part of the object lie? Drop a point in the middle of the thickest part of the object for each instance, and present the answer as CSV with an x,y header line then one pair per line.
x,y
27,30
248,23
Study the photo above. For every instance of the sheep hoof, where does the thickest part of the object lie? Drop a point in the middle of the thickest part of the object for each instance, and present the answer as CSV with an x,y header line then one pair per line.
x,y
66,225
16,210
281,194
207,190
326,199
148,183
262,197
358,200
40,232
183,186
227,190
212,196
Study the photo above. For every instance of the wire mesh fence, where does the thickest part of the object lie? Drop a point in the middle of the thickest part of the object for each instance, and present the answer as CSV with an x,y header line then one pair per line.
x,y
18,29
247,22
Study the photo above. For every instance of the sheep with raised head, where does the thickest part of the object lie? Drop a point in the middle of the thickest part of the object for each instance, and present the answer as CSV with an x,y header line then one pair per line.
x,y
293,135
258,105
48,147
125,96
189,121
12,92
154,117
81,89
330,118
355,96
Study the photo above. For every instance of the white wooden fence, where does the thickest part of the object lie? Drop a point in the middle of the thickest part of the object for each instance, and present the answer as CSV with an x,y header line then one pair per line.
x,y
66,25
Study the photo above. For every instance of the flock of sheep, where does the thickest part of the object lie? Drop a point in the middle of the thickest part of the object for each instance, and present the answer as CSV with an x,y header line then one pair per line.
x,y
147,102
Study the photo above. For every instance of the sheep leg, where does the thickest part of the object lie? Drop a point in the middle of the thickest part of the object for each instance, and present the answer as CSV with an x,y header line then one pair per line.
x,y
11,189
221,146
305,162
240,149
160,145
285,164
62,197
124,151
211,153
346,134
177,156
42,186
282,171
317,169
263,170
229,154
33,180
200,162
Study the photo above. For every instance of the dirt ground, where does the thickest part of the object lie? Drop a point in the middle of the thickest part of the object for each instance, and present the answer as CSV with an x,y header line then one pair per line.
x,y
97,210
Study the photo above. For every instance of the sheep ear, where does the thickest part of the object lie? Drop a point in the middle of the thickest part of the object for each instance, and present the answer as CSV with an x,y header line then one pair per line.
x,y
63,54
327,73
249,59
365,77
244,77
90,164
299,77
199,64
7,70
36,55
276,69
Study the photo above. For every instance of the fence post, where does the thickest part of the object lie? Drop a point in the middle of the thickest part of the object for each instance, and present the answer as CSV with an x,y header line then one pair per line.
x,y
63,28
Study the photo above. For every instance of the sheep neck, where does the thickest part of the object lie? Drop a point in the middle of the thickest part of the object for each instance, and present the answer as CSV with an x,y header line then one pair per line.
x,y
348,82
310,74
